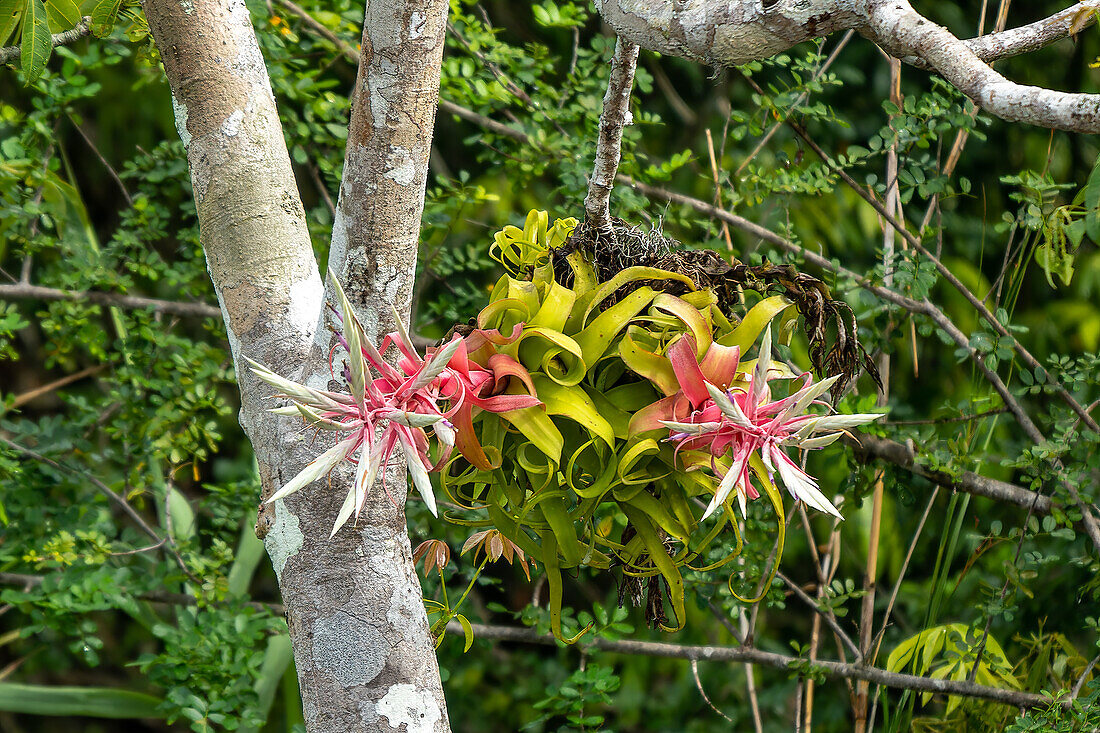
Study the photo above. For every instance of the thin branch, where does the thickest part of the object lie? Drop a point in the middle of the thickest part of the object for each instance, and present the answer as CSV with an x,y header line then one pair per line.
x,y
23,291
914,241
702,692
74,34
345,48
825,613
110,169
614,117
114,498
45,389
157,596
946,420
967,481
1084,676
798,102
769,659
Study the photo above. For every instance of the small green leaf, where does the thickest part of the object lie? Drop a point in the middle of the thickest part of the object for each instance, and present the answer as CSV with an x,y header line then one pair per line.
x,y
103,16
467,631
1092,204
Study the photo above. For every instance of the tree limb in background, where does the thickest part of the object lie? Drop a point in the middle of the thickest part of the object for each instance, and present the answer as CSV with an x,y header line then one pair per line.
x,y
732,32
770,659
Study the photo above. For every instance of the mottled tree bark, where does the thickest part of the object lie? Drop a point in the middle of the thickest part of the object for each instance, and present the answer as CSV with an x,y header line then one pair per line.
x,y
364,655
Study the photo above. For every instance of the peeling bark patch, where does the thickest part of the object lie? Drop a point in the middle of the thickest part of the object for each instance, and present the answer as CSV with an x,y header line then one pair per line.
x,y
306,298
400,167
179,111
349,649
405,704
232,124
284,539
417,22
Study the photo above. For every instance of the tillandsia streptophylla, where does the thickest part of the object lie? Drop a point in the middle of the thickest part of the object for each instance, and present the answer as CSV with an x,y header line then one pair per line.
x,y
391,406
721,411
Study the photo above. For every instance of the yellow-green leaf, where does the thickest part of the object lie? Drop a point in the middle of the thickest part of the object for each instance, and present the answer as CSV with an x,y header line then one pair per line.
x,y
103,16
575,404
62,15
10,12
754,322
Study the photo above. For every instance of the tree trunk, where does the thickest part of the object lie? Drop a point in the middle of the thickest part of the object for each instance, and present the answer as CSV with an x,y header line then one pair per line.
x,y
354,606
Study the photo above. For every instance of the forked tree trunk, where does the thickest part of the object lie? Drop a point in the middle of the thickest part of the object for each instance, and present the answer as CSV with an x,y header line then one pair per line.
x,y
364,656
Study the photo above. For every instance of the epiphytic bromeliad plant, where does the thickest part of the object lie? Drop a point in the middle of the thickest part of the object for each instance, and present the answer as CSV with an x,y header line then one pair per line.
x,y
604,415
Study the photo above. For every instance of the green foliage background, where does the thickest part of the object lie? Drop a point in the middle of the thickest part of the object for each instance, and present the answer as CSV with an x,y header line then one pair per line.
x,y
94,196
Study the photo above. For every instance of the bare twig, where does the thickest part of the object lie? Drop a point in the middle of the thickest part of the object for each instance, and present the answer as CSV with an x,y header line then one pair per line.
x,y
945,420
1082,679
966,481
156,596
825,613
914,241
23,291
322,30
798,102
769,659
702,692
1027,38
57,384
113,497
74,34
614,117
110,169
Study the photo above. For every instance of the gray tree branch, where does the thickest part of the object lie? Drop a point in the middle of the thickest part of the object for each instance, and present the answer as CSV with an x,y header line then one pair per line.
x,y
732,32
614,117
1027,38
902,31
25,291
745,654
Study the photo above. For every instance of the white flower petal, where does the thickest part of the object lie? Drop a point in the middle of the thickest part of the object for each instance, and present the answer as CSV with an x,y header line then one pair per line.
x,y
801,486
353,334
344,513
419,475
844,422
436,364
808,394
763,363
729,483
691,428
819,442
315,470
295,391
728,407
314,420
412,419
